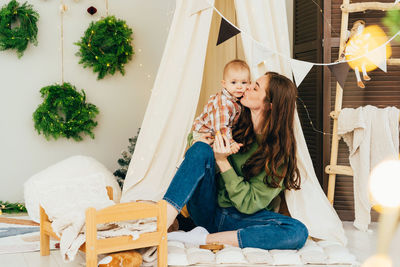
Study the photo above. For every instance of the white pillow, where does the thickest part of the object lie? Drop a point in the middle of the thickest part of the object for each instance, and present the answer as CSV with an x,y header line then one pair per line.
x,y
66,184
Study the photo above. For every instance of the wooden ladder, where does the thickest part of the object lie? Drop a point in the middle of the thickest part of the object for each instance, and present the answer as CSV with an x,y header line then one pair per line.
x,y
348,8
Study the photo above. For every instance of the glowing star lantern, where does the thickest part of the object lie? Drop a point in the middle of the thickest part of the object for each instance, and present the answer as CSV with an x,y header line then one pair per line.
x,y
360,44
384,183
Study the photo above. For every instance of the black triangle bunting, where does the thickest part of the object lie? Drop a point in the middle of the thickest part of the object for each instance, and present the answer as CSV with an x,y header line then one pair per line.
x,y
340,71
226,31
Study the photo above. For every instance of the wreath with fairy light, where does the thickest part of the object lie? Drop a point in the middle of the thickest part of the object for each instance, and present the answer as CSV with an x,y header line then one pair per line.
x,y
18,26
64,113
106,46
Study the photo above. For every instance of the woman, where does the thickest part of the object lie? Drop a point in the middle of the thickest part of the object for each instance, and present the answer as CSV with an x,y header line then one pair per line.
x,y
236,205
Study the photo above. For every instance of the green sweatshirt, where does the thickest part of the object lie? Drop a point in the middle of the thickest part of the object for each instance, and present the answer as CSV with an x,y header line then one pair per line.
x,y
247,197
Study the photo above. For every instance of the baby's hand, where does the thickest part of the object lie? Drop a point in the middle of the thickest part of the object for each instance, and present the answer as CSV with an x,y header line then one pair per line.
x,y
235,147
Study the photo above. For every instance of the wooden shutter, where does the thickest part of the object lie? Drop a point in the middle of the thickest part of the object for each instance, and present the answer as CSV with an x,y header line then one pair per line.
x,y
383,90
307,37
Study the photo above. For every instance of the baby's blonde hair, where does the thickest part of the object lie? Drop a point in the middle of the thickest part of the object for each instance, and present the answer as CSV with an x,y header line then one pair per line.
x,y
236,64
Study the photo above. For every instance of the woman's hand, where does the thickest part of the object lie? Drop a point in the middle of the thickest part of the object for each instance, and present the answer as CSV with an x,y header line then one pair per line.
x,y
222,149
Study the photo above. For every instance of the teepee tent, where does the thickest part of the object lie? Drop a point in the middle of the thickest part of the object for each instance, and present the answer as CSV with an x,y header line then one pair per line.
x,y
190,65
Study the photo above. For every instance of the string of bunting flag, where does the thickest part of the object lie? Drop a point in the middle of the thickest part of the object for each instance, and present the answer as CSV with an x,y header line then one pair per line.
x,y
300,68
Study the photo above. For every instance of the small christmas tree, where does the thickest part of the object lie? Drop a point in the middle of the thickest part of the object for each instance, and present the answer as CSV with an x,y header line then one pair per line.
x,y
125,160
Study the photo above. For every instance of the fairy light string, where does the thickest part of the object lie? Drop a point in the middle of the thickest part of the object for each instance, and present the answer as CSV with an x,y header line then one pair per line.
x,y
309,118
323,15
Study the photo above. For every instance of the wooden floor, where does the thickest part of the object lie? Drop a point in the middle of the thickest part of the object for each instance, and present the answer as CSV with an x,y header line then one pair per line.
x,y
361,244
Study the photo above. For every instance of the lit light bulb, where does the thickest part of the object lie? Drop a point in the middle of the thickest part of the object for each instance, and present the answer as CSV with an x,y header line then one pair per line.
x,y
384,183
378,260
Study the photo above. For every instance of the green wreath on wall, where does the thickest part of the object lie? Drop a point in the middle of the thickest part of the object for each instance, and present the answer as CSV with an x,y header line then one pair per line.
x,y
106,46
64,113
25,30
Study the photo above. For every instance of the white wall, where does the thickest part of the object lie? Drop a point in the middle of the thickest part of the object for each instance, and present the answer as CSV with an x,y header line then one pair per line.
x,y
121,99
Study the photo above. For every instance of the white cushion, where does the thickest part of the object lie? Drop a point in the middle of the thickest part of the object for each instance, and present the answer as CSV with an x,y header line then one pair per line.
x,y
230,255
177,256
200,256
61,186
257,255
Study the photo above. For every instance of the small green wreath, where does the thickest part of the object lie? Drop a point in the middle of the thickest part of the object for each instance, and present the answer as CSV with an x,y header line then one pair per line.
x,y
64,112
106,46
18,37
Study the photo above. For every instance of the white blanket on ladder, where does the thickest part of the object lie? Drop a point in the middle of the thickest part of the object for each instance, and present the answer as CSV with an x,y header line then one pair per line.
x,y
372,135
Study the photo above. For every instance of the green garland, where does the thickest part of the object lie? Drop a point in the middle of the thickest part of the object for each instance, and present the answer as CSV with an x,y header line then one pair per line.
x,y
18,37
8,207
64,112
106,46
392,21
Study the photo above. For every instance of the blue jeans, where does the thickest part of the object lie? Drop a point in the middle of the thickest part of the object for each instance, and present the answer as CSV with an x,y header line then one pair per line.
x,y
194,185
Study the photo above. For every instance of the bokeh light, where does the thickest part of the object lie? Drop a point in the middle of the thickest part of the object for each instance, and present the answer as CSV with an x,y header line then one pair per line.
x,y
360,44
378,260
384,183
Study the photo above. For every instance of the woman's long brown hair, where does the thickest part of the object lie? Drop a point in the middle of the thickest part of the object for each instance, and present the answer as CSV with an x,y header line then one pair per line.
x,y
277,151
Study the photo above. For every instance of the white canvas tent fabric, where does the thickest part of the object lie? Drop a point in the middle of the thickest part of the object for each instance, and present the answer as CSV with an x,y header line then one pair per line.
x,y
265,22
173,102
171,107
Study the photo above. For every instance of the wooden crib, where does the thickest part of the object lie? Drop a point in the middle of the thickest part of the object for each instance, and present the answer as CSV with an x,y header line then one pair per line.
x,y
119,212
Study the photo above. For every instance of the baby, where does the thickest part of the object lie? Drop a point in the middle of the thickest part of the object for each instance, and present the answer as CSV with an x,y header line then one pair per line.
x,y
223,108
